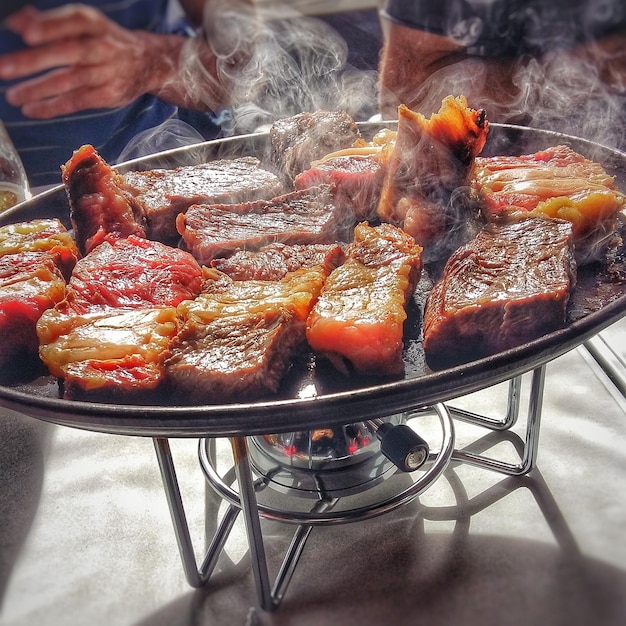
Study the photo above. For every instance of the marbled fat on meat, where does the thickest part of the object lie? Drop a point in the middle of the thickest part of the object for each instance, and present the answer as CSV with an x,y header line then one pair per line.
x,y
133,273
358,319
107,337
558,183
35,259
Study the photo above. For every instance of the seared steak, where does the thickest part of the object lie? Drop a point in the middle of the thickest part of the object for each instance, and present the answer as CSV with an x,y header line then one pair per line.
x,y
30,283
133,273
359,317
300,217
507,286
47,236
35,258
355,180
98,207
274,261
160,195
105,340
107,354
298,140
556,182
239,337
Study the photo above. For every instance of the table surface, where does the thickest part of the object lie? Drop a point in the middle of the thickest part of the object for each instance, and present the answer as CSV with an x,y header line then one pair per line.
x,y
87,536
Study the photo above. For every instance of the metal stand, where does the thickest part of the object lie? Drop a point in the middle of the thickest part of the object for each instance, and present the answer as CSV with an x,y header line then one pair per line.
x,y
244,499
531,442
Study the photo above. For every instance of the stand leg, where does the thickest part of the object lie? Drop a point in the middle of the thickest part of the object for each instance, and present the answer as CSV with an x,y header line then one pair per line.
x,y
512,411
253,522
295,551
195,577
531,443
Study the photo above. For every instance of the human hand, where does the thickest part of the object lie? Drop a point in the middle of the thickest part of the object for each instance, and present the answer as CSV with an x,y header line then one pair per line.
x,y
77,58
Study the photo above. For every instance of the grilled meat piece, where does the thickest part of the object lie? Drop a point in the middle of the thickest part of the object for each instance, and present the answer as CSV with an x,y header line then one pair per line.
x,y
274,261
35,259
239,337
298,140
234,359
360,313
30,283
133,273
299,217
356,181
107,353
98,207
556,182
159,195
429,160
106,338
509,285
47,236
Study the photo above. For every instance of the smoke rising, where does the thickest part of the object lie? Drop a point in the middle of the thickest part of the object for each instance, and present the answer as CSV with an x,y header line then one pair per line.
x,y
545,76
277,63
269,63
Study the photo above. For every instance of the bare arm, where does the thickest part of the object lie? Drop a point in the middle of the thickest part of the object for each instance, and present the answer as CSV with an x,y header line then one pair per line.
x,y
419,69
89,61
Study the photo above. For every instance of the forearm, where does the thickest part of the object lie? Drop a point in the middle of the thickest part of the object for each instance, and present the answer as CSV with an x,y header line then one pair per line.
x,y
201,72
418,69
183,71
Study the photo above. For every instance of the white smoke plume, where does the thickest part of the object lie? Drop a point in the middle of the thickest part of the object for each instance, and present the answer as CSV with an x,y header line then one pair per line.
x,y
277,63
274,62
573,87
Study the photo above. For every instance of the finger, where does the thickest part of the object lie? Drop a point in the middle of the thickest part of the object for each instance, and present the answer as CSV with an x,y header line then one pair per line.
x,y
18,21
71,20
72,102
55,83
63,53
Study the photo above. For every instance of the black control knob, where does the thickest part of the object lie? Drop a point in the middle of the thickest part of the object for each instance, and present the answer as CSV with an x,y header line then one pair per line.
x,y
402,446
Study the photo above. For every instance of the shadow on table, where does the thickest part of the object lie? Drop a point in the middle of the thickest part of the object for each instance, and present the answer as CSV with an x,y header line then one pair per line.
x,y
23,444
399,569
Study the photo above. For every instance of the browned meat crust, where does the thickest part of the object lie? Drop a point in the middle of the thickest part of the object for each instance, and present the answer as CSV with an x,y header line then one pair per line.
x,y
161,195
238,338
235,358
509,285
430,159
274,261
298,140
300,217
98,207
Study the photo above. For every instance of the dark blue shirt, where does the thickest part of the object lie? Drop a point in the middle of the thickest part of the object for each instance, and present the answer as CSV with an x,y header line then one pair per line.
x,y
44,145
510,27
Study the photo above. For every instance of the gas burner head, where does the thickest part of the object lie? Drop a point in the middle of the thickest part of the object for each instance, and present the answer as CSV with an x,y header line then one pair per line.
x,y
327,462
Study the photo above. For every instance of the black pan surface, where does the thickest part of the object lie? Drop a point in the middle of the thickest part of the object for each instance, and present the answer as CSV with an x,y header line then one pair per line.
x,y
314,394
